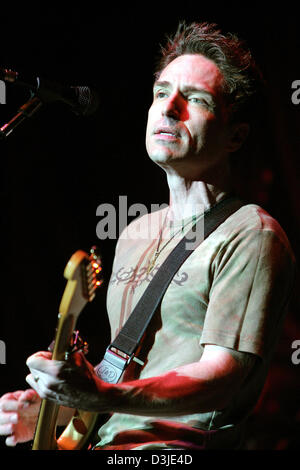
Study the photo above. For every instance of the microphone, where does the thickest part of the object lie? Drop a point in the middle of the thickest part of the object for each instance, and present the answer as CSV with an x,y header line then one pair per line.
x,y
81,99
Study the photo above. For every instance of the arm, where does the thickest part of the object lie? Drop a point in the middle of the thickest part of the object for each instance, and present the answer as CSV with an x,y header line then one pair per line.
x,y
199,387
209,384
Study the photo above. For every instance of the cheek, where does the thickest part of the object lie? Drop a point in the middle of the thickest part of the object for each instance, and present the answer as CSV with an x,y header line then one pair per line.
x,y
149,119
148,131
199,129
209,129
150,122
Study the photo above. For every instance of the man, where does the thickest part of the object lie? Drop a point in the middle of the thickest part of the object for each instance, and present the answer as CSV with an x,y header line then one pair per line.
x,y
207,351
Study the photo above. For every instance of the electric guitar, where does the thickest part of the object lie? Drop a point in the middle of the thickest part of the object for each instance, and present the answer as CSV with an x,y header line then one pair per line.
x,y
83,275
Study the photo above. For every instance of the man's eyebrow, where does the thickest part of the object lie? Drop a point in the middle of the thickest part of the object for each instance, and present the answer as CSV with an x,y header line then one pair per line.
x,y
163,84
197,90
187,88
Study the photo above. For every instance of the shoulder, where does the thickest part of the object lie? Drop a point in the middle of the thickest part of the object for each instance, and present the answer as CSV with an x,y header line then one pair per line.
x,y
251,238
254,222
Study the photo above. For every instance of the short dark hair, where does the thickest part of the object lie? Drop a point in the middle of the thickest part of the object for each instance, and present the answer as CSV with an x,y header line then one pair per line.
x,y
243,81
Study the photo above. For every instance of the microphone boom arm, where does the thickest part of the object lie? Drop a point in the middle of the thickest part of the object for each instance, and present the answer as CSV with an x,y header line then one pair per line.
x,y
24,112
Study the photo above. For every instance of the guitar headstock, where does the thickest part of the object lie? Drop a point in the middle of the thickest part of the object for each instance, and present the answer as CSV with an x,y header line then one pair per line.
x,y
83,273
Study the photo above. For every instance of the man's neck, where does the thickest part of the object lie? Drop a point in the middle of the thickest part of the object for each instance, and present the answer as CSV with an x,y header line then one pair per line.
x,y
190,198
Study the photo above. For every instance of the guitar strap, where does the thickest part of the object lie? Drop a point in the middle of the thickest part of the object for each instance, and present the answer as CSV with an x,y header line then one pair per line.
x,y
113,364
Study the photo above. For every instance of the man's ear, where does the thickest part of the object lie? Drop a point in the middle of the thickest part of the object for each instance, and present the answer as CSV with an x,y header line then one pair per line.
x,y
239,133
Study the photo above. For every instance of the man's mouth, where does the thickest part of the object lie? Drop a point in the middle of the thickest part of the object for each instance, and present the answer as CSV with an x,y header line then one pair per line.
x,y
167,132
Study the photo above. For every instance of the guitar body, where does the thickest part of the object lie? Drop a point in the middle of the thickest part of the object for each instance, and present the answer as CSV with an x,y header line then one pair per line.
x,y
82,274
75,436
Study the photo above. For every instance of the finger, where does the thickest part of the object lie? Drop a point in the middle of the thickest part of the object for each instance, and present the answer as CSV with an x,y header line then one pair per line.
x,y
28,396
47,366
10,417
10,405
10,396
32,382
11,441
40,354
7,429
41,389
37,359
16,394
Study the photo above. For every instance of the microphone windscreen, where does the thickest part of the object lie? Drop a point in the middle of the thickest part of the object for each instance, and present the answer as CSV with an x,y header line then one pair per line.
x,y
88,100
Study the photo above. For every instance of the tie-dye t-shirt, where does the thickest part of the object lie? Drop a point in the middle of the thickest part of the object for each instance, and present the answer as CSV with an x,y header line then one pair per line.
x,y
232,291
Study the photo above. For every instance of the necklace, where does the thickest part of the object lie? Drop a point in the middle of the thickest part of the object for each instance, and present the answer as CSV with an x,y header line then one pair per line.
x,y
158,249
194,219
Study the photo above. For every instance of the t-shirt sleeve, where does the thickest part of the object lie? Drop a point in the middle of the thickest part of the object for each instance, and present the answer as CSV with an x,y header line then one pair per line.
x,y
252,280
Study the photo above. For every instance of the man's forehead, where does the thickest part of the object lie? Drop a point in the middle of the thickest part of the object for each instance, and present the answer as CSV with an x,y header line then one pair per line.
x,y
192,70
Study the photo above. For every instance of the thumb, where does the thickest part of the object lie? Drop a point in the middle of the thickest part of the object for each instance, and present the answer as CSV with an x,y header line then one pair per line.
x,y
29,396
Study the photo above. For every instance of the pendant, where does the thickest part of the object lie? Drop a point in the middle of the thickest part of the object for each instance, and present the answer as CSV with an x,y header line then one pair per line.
x,y
152,263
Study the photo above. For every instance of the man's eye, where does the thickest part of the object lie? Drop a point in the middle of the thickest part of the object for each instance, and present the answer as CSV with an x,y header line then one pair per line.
x,y
197,100
160,94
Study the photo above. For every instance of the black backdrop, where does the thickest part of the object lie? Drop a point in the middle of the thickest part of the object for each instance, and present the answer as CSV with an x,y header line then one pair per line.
x,y
57,168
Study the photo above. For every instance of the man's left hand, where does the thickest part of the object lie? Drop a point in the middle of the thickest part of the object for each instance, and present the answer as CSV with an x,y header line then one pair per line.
x,y
70,383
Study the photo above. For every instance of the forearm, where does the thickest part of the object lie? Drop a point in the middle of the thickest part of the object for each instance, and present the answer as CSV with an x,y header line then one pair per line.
x,y
187,390
199,387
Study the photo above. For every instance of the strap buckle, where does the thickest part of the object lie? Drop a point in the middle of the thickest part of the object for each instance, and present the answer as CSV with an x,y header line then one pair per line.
x,y
113,365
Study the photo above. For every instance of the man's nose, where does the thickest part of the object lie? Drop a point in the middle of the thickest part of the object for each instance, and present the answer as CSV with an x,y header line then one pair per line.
x,y
172,107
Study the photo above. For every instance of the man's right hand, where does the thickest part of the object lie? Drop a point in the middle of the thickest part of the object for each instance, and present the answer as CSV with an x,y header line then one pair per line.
x,y
18,416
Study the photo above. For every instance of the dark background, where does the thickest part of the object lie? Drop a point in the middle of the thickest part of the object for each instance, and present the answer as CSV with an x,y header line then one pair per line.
x,y
57,168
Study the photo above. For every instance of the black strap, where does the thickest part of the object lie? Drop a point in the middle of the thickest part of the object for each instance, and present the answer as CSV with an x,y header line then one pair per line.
x,y
130,335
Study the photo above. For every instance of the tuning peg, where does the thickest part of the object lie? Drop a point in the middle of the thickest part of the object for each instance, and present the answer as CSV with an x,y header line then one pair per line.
x,y
95,252
95,263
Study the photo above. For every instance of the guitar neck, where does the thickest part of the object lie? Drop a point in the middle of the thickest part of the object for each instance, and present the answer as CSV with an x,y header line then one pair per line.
x,y
46,439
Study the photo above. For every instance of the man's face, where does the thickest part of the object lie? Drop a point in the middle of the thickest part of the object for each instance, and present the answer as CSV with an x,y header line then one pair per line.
x,y
187,121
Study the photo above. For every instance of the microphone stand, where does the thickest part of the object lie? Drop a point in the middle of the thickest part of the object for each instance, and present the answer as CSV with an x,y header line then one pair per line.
x,y
24,112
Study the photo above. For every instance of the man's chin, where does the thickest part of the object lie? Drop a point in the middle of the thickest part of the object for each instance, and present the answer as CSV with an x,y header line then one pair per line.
x,y
163,161
164,156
